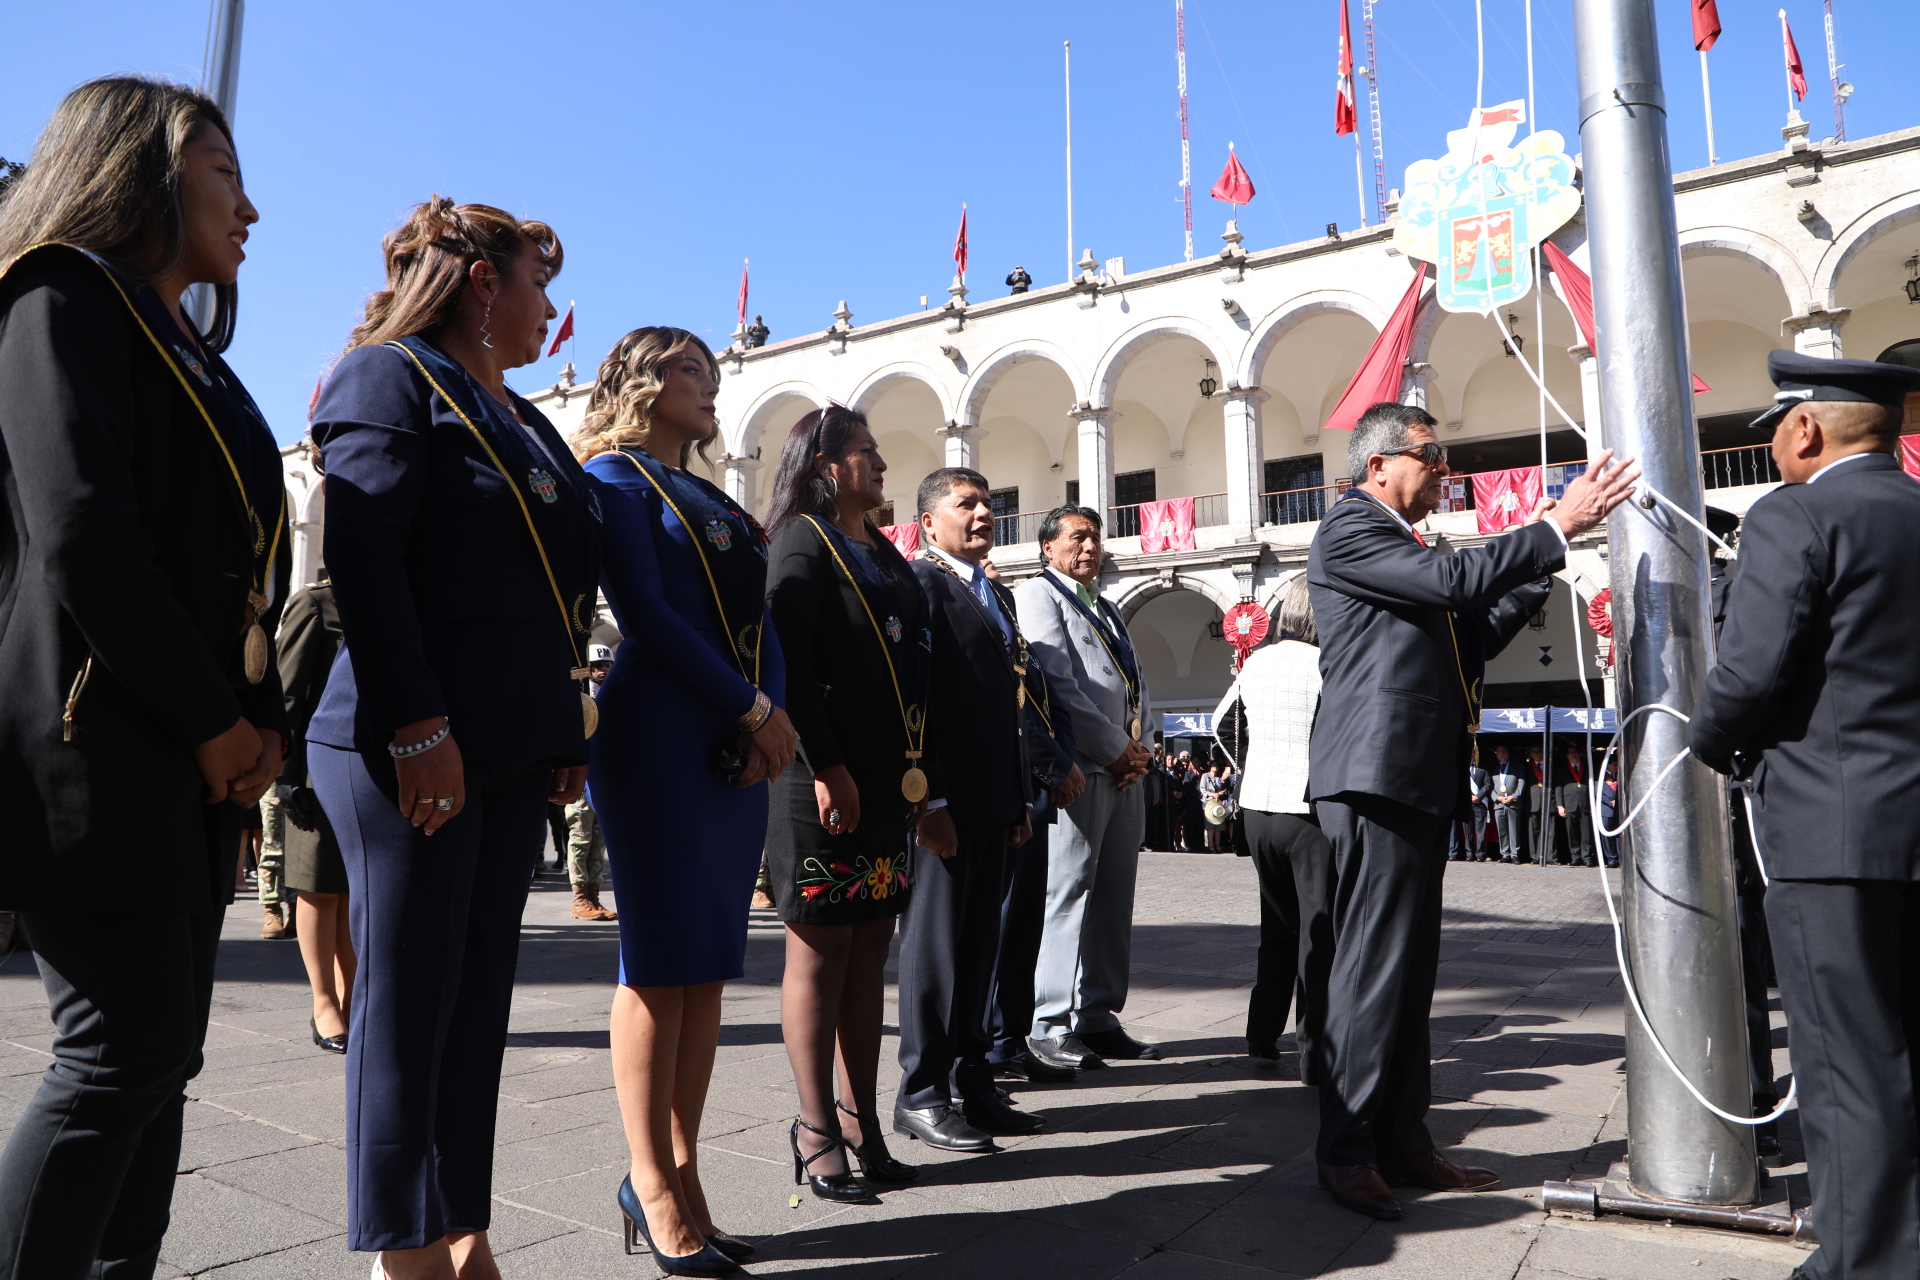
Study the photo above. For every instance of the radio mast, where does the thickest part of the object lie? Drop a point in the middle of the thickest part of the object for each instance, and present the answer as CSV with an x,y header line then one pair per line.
x,y
1186,155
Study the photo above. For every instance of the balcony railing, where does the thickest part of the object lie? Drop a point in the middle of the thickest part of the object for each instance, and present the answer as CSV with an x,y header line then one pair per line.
x,y
1209,509
1297,506
1021,526
1732,468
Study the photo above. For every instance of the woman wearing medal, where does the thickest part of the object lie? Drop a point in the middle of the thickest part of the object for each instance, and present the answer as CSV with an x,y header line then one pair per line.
x,y
462,541
853,626
144,563
686,572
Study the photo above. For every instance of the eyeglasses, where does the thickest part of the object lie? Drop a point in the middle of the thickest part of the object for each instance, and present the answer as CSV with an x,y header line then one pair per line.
x,y
1430,454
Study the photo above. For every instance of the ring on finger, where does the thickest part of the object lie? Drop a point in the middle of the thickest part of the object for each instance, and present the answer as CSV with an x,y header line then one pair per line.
x,y
443,803
422,800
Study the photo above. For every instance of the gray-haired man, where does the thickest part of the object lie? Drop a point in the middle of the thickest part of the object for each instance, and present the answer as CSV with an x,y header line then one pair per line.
x,y
1086,950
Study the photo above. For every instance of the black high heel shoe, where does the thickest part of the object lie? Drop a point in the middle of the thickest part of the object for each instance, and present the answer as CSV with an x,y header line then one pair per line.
x,y
876,1162
332,1044
841,1188
732,1246
709,1261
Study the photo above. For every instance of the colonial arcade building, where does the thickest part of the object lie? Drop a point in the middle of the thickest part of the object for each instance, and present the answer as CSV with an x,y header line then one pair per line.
x,y
1211,379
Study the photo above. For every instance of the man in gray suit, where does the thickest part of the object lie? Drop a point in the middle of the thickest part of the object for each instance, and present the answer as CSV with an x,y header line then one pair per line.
x,y
1509,789
1086,951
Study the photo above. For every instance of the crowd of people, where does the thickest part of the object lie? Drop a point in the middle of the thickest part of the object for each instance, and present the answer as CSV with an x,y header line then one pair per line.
x,y
908,744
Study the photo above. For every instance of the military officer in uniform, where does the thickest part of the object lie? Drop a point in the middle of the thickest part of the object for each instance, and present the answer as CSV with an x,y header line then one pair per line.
x,y
1815,703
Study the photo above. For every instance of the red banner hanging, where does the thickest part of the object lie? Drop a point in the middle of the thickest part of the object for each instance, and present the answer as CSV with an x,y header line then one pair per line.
x,y
1504,499
1166,525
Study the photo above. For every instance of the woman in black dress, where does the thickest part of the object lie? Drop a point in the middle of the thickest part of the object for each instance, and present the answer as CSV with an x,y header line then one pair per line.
x,y
852,624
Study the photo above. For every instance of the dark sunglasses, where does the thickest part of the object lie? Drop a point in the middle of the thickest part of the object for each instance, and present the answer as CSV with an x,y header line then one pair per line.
x,y
1432,455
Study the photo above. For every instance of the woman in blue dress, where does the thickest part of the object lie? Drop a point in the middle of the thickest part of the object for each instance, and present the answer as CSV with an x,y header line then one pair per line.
x,y
685,570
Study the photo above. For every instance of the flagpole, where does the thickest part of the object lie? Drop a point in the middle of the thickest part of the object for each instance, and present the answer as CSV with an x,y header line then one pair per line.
x,y
1706,92
1359,180
1787,67
1066,49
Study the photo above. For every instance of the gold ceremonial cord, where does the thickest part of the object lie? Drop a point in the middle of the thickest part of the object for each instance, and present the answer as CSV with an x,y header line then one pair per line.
x,y
712,585
253,517
566,619
916,748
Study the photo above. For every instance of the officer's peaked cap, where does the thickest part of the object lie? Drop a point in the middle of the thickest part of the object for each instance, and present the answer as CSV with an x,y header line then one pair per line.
x,y
1801,378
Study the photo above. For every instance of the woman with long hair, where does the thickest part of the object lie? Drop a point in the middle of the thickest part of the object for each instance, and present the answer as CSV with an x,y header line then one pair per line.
x,y
853,625
463,543
686,571
141,571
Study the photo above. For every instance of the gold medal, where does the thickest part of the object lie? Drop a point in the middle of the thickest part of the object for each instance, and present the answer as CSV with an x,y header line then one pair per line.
x,y
590,713
256,653
913,785
1133,730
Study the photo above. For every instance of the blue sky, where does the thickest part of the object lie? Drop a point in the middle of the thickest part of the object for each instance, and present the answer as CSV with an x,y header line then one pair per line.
x,y
834,144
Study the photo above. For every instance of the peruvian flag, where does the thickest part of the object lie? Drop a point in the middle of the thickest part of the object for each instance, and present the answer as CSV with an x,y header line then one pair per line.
x,y
743,291
1504,499
1910,455
1706,24
960,242
1234,186
1576,290
1166,525
904,537
1344,121
566,331
1794,70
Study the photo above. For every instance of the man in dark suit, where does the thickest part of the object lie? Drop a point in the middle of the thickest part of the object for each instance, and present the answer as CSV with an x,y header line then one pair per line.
x,y
1405,633
1509,790
1815,666
982,784
1543,785
1469,837
1575,809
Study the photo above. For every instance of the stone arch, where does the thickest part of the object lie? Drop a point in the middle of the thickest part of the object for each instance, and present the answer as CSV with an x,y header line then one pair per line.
x,y
753,423
1753,246
1134,596
1269,595
1889,215
981,381
1275,325
1106,373
877,382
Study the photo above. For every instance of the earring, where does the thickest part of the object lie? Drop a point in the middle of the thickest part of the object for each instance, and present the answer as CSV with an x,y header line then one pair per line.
x,y
486,333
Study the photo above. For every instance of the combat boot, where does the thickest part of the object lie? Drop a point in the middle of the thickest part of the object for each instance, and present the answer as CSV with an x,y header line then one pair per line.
x,y
586,903
275,927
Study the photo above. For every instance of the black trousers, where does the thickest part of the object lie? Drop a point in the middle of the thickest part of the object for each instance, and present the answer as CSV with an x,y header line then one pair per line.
x,y
436,923
1294,862
1510,822
948,938
1466,841
1023,917
1847,953
1389,861
87,1178
1580,838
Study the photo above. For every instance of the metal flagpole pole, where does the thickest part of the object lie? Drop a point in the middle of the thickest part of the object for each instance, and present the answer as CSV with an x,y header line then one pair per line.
x,y
219,80
1359,178
1186,154
1706,92
1786,68
1066,48
1682,940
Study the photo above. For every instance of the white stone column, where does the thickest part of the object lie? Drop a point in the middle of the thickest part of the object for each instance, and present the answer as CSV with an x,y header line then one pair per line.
x,y
1245,456
963,444
1817,333
1415,383
1096,459
737,478
1593,420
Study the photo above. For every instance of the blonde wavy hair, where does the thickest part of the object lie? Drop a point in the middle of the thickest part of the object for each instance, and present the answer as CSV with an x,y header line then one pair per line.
x,y
427,261
631,378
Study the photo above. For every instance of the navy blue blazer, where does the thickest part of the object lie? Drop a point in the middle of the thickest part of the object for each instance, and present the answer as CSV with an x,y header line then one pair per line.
x,y
1405,635
445,602
976,730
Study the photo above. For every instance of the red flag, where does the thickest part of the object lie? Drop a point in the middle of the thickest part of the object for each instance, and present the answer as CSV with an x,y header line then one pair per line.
x,y
1166,525
904,537
1378,377
743,291
1504,499
1910,455
1234,186
1794,70
1514,114
1706,24
1344,121
960,242
1576,290
566,331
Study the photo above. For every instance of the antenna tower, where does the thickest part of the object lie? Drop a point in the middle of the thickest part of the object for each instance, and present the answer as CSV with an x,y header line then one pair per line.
x,y
1840,91
1186,155
1373,115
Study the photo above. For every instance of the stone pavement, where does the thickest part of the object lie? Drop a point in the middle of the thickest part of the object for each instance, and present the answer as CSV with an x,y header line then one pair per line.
x,y
1200,1165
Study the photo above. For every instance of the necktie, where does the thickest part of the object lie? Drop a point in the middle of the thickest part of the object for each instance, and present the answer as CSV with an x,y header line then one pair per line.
x,y
1416,535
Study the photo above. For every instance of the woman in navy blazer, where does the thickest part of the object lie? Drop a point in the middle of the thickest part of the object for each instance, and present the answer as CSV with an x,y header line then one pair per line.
x,y
686,574
462,539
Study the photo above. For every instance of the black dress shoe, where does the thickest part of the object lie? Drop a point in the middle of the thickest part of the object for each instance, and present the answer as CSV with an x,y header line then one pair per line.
x,y
941,1127
991,1115
332,1044
1025,1066
1116,1043
1263,1053
1065,1051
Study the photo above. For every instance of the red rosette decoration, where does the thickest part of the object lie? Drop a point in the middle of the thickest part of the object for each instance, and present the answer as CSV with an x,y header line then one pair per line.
x,y
1600,612
1244,627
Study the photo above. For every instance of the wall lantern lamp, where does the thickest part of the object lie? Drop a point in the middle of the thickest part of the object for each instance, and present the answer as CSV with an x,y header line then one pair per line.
x,y
1208,383
1217,629
1513,342
1913,280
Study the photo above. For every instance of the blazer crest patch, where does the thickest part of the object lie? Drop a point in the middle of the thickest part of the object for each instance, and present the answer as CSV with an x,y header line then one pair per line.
x,y
540,481
187,359
719,533
893,629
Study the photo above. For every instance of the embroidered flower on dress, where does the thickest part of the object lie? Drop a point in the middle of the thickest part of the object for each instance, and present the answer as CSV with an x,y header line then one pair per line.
x,y
871,878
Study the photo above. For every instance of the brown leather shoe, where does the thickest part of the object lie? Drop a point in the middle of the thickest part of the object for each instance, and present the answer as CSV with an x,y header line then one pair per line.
x,y
1435,1172
1360,1187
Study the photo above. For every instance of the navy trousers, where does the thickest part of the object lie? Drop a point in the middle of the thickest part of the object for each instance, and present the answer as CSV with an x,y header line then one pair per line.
x,y
948,939
1023,917
436,923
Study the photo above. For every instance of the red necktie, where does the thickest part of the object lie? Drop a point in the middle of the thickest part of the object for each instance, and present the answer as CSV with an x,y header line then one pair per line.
x,y
1416,535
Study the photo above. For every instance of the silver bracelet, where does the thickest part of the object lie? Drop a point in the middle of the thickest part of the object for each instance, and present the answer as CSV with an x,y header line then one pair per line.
x,y
423,746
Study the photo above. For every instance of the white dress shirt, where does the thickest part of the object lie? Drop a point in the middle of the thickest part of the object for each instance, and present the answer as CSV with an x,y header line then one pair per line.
x,y
975,576
1814,478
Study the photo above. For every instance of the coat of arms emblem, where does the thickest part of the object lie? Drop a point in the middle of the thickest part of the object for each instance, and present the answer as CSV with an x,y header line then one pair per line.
x,y
541,482
187,359
719,533
893,629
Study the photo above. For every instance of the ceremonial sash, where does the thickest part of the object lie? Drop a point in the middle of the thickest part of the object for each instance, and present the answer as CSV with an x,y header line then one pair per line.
x,y
1114,640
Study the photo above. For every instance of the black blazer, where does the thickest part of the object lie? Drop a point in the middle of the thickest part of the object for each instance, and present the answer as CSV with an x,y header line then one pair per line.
x,y
1051,748
309,643
974,726
125,555
1405,632
444,598
1816,684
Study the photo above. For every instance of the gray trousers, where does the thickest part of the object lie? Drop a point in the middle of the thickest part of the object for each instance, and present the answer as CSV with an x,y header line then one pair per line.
x,y
1086,947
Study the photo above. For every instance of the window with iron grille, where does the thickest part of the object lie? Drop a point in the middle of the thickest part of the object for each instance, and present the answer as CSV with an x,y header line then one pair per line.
x,y
1006,506
1073,493
1295,490
1132,487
